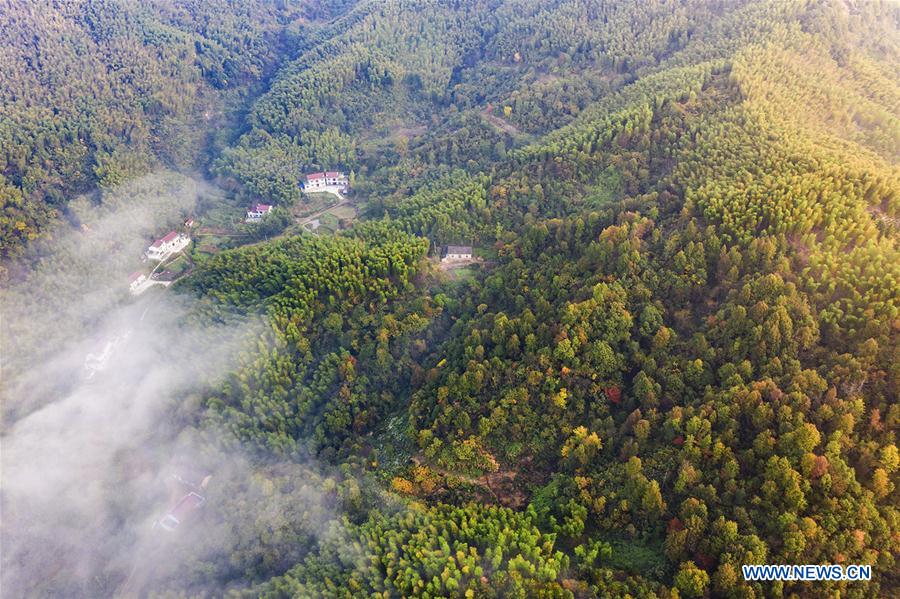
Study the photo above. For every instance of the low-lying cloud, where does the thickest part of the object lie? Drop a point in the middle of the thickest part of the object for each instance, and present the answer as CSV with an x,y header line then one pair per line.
x,y
101,434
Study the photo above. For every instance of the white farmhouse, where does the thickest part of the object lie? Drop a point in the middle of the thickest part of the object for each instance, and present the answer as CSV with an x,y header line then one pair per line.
x,y
257,212
335,179
455,253
135,280
314,182
170,244
330,181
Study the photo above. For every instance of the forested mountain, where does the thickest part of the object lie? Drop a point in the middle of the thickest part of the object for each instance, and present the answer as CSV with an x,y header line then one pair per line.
x,y
95,92
679,355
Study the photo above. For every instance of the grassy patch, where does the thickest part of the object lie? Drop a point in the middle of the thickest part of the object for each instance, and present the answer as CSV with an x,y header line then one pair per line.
x,y
394,446
344,211
213,244
329,222
610,187
218,212
177,266
639,557
463,273
312,203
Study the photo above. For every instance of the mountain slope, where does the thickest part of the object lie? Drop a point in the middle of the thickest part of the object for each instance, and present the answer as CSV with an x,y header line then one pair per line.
x,y
96,92
688,344
677,355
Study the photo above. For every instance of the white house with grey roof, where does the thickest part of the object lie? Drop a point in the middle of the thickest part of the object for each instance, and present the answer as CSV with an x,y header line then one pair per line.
x,y
455,253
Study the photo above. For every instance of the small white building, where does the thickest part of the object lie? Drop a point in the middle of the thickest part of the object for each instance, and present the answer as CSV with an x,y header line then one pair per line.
x,y
170,244
335,178
135,280
314,182
455,253
257,212
326,181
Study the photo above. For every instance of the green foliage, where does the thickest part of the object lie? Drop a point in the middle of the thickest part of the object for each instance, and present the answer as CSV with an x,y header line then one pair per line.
x,y
682,354
467,551
94,93
340,327
271,225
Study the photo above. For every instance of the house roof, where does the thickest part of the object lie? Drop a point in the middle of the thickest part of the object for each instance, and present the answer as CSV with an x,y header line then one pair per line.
x,y
188,503
172,235
458,249
135,276
333,174
261,207
315,176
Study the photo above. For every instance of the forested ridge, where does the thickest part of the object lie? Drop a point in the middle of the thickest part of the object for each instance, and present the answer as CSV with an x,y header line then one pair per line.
x,y
95,92
678,354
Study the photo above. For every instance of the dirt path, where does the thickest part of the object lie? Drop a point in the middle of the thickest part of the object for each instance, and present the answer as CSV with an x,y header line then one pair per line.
x,y
456,264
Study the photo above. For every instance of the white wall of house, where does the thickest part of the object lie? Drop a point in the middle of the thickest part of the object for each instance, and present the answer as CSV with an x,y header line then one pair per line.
x,y
166,248
256,215
449,257
326,183
135,284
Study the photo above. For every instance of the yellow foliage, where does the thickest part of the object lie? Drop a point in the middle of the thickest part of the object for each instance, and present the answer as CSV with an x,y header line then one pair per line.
x,y
559,399
401,485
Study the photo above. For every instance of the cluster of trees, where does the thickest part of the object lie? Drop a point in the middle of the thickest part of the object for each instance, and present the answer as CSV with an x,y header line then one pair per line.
x,y
368,68
94,93
439,551
536,65
686,351
684,356
274,167
342,330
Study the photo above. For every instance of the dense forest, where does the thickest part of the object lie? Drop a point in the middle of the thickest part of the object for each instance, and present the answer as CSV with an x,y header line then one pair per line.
x,y
679,349
95,92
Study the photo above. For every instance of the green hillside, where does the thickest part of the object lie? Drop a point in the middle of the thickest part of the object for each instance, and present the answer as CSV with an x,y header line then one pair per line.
x,y
94,92
679,353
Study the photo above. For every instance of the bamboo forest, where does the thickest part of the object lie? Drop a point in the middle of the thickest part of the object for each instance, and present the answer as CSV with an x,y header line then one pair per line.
x,y
472,298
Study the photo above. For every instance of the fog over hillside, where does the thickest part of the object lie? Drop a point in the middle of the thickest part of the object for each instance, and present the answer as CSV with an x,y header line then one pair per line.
x,y
87,473
599,298
99,441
